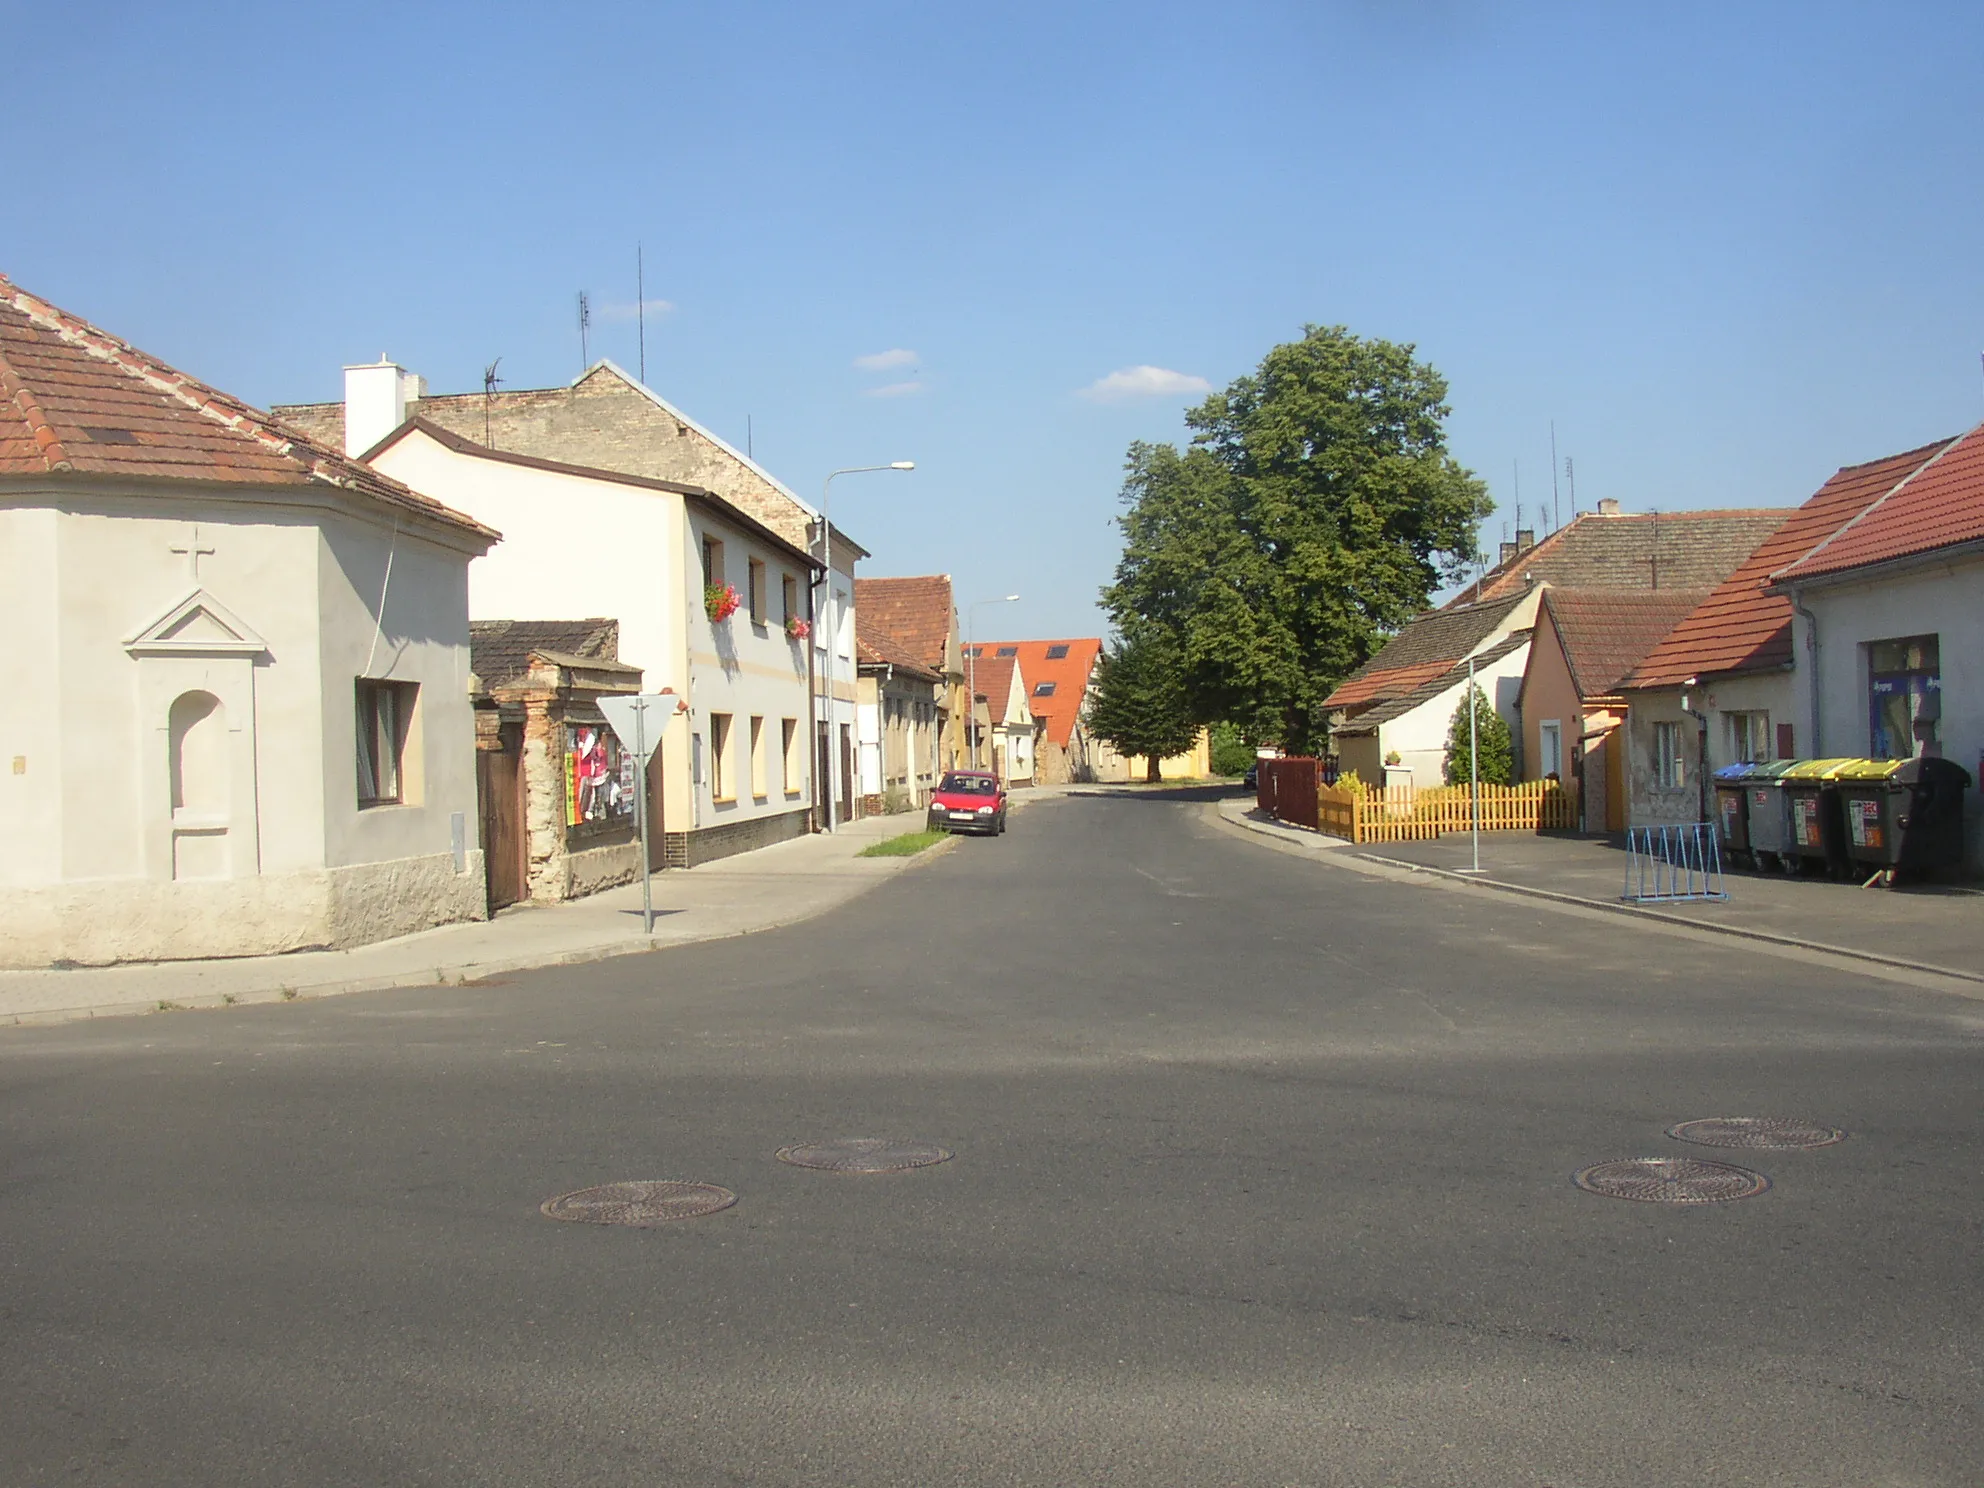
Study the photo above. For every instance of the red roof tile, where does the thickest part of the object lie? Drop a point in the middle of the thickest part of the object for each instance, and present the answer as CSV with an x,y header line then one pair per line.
x,y
1938,505
75,400
917,611
1066,676
875,646
1605,634
1739,627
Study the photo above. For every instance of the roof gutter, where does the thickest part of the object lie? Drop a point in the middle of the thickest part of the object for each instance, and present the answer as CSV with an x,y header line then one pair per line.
x,y
1797,597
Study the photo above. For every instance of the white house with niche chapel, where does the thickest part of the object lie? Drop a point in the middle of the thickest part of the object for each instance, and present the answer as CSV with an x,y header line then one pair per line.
x,y
237,716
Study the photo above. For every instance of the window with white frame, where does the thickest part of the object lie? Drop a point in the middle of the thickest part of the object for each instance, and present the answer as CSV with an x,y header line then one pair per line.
x,y
757,587
1550,745
383,710
721,788
1749,737
1667,755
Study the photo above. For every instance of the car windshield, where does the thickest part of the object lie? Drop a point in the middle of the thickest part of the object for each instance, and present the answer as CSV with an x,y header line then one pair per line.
x,y
967,785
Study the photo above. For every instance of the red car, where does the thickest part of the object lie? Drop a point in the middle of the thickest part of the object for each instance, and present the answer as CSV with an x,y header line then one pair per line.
x,y
969,801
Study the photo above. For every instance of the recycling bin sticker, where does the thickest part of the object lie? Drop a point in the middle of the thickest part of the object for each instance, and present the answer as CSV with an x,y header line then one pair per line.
x,y
1805,822
1863,821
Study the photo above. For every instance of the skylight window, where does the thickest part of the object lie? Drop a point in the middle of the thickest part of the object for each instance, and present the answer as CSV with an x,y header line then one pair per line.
x,y
1007,651
1057,653
1045,689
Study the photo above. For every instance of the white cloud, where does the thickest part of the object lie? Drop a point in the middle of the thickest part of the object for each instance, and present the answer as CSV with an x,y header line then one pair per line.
x,y
885,361
894,390
1143,382
631,309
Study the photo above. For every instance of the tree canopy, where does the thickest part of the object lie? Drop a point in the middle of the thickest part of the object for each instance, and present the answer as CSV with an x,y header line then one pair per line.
x,y
1139,703
1490,737
1314,511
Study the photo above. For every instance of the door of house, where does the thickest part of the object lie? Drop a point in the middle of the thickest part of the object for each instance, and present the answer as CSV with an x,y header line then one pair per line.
x,y
846,773
1615,780
822,786
499,780
655,854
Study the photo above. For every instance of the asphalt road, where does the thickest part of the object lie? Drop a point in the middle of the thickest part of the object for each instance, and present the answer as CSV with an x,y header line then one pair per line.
x,y
1262,1177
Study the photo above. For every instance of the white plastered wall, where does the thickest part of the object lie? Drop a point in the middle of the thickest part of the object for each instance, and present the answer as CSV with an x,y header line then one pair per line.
x,y
1420,737
104,865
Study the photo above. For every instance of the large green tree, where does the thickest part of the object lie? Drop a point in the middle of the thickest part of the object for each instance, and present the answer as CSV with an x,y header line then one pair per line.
x,y
1314,511
1138,702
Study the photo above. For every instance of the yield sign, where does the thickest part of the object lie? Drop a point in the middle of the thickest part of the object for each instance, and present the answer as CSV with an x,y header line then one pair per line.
x,y
638,721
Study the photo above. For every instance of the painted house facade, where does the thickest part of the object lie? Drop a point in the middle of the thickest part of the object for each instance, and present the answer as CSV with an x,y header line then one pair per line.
x,y
735,769
607,419
901,723
920,614
238,714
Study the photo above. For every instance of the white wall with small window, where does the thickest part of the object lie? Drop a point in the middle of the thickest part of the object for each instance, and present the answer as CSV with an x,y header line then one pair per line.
x,y
1900,669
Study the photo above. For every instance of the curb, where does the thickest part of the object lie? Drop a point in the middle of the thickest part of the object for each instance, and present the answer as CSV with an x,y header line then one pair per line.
x,y
455,974
1631,911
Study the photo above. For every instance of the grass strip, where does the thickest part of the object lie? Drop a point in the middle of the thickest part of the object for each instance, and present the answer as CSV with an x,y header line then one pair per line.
x,y
904,846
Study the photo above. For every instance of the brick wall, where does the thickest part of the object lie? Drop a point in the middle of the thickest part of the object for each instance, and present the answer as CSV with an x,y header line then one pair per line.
x,y
709,844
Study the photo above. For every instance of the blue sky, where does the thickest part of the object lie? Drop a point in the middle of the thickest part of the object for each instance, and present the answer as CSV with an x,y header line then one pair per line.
x,y
1726,248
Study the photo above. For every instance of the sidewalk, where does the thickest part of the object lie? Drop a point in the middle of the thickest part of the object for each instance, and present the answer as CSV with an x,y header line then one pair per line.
x,y
753,891
1937,928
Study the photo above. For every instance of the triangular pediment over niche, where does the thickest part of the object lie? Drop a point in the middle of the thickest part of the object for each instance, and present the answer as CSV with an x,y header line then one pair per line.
x,y
197,625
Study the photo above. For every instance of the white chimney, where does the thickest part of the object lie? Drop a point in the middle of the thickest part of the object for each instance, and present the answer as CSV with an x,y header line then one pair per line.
x,y
375,399
1608,506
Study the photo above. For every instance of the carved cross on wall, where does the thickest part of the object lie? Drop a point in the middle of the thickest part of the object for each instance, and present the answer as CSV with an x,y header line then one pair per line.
x,y
194,552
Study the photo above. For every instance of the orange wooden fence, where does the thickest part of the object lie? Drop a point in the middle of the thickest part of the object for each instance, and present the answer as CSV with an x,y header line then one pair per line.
x,y
1403,813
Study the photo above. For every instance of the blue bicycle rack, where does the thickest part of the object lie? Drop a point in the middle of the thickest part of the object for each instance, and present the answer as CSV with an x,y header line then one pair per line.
x,y
1673,864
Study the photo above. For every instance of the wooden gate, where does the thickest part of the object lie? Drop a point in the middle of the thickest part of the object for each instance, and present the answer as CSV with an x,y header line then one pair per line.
x,y
499,780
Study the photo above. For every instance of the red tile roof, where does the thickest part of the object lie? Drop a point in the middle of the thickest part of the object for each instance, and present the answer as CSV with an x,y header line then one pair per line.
x,y
917,611
1424,649
875,646
1068,674
1633,550
76,400
1605,633
1938,505
992,679
1739,627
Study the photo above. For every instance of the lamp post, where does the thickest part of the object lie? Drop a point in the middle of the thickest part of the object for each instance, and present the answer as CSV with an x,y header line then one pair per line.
x,y
833,629
971,669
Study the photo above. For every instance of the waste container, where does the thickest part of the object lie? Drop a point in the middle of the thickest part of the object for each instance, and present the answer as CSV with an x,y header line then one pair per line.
x,y
1765,810
1904,815
1818,832
1733,808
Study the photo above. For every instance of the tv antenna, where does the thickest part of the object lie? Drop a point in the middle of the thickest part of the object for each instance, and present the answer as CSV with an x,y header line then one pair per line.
x,y
585,325
489,383
641,308
1553,475
1571,480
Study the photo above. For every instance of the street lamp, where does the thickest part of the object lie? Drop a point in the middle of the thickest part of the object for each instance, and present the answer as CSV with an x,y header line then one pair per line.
x,y
833,630
971,668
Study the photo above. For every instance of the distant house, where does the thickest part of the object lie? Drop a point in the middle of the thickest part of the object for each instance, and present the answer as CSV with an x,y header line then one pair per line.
x,y
1402,700
1004,729
901,716
919,613
237,712
1719,688
1058,673
607,420
1583,644
1892,606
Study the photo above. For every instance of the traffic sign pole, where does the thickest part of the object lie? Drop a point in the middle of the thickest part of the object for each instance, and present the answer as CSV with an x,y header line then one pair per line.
x,y
628,718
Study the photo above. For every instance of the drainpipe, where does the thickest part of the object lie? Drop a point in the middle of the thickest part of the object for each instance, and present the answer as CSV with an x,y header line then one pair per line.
x,y
1701,748
1812,647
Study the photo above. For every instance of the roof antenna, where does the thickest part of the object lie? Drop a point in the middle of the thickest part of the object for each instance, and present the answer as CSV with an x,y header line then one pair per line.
x,y
749,454
641,308
1553,475
1656,547
585,324
1571,480
489,382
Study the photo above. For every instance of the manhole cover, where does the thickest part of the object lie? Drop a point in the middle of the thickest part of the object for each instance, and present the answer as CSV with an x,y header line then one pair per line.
x,y
1670,1180
1755,1131
863,1155
647,1203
